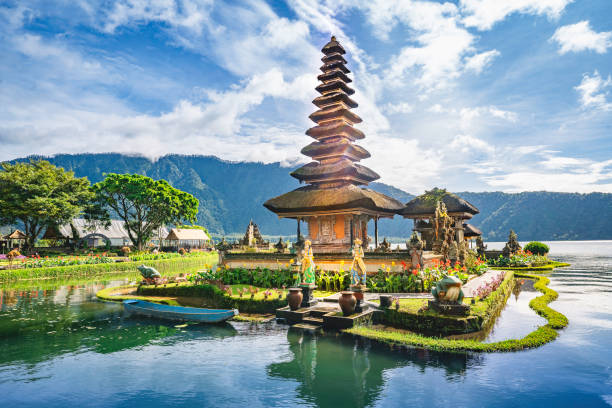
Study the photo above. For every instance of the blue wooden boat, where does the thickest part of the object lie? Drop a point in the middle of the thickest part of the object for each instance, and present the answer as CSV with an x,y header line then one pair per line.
x,y
192,314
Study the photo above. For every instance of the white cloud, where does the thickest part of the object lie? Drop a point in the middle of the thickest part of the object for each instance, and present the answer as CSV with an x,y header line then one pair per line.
x,y
592,92
400,107
184,14
483,14
480,61
468,143
580,36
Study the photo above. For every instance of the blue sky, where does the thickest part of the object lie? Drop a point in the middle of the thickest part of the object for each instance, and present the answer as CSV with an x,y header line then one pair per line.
x,y
471,95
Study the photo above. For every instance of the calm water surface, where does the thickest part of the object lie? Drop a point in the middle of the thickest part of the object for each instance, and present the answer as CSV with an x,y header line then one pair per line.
x,y
60,347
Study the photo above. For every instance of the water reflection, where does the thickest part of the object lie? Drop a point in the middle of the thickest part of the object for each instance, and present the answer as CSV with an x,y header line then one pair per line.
x,y
346,371
38,325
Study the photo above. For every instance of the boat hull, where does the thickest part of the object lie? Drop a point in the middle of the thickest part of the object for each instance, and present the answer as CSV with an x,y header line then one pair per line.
x,y
191,314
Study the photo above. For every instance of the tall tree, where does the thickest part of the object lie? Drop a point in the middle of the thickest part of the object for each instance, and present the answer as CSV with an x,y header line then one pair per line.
x,y
143,204
38,194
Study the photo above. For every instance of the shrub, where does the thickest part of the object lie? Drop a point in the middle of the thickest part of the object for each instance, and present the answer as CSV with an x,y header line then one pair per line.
x,y
537,248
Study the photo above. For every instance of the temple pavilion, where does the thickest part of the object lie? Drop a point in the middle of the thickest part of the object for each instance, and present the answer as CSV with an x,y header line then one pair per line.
x,y
333,203
422,210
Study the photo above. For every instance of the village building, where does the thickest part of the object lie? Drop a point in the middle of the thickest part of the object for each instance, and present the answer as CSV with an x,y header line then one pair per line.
x,y
187,238
96,235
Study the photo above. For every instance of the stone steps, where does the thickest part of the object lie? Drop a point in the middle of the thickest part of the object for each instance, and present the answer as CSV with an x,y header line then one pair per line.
x,y
315,321
307,328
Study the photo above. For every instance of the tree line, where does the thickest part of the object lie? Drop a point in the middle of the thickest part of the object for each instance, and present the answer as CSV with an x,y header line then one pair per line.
x,y
39,195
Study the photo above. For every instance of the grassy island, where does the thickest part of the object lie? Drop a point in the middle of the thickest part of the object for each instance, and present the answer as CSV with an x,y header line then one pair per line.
x,y
536,338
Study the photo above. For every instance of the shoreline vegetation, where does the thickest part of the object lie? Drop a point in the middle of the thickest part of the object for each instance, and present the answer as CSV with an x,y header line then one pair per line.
x,y
548,267
171,266
540,336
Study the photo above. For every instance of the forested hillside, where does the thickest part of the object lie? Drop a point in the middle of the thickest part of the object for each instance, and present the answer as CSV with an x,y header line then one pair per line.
x,y
231,194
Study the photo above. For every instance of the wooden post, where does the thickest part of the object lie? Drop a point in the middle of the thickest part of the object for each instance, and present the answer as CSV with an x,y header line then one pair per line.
x,y
375,232
298,229
352,231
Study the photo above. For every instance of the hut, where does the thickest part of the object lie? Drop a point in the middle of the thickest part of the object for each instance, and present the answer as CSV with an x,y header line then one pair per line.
x,y
188,238
15,239
333,204
96,234
422,210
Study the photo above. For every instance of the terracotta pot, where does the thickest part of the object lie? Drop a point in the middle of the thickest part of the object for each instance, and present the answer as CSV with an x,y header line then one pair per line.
x,y
347,303
294,298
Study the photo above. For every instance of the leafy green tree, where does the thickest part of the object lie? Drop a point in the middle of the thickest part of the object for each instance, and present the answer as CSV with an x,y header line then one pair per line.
x,y
38,194
142,203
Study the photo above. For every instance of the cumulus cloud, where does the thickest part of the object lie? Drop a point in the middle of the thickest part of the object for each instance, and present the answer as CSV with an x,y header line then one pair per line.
x,y
422,128
479,62
580,37
593,94
483,14
400,107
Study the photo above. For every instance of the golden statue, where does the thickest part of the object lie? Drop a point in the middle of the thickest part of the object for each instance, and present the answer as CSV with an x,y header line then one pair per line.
x,y
358,268
307,269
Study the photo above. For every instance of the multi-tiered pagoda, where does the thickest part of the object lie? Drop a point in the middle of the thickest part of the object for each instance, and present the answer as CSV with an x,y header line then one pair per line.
x,y
333,205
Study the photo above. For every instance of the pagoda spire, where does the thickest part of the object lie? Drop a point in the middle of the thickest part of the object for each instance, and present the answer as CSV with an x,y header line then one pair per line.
x,y
334,153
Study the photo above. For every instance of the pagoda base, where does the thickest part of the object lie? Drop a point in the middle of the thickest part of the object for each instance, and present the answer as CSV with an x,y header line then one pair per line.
x,y
328,261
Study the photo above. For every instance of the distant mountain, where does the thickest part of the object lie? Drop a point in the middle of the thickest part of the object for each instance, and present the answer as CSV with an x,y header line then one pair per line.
x,y
232,193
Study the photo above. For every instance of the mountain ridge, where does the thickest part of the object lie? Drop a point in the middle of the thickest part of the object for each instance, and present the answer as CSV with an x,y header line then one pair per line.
x,y
231,193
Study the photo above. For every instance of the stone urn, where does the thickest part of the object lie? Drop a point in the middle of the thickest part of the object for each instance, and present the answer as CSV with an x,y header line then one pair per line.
x,y
294,298
347,302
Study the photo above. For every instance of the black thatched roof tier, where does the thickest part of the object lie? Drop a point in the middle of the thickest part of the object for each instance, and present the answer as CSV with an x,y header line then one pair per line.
x,y
425,204
334,86
335,64
333,47
334,74
334,112
319,150
335,129
333,57
341,170
312,199
470,231
334,98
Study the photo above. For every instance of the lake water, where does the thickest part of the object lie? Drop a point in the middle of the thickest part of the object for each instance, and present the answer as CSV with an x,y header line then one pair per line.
x,y
60,347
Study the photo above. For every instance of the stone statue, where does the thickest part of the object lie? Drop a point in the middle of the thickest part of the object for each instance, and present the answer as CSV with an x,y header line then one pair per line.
x,y
480,246
307,267
415,250
448,289
453,252
512,246
148,272
384,246
358,268
280,246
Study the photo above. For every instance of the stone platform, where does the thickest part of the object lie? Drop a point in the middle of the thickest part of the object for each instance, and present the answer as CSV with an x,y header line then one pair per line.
x,y
324,316
326,261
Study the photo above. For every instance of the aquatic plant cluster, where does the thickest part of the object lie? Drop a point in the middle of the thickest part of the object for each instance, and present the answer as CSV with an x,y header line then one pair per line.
x,y
388,279
521,258
260,277
36,261
147,256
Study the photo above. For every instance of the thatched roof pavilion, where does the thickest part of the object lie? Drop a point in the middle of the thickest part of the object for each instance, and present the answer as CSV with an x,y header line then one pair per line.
x,y
336,209
470,231
424,206
17,235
